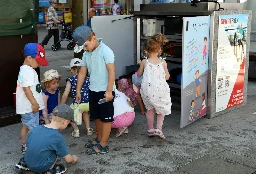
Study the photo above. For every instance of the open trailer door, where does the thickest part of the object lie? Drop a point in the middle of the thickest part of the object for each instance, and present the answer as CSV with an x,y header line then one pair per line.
x,y
195,49
117,32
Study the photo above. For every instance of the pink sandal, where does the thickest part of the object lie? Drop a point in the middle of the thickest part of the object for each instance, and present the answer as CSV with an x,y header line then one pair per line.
x,y
159,133
151,132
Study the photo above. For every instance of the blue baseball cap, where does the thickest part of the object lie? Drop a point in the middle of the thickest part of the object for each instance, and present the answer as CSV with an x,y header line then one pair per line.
x,y
80,36
36,51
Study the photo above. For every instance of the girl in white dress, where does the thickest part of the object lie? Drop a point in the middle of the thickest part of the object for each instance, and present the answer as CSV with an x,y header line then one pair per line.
x,y
155,91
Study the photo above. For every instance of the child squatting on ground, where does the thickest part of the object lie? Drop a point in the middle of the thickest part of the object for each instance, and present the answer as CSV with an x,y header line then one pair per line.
x,y
123,113
155,91
98,59
51,96
29,93
126,86
75,66
45,144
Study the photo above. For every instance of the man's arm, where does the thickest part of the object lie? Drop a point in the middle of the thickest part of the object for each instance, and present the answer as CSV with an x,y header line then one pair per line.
x,y
111,76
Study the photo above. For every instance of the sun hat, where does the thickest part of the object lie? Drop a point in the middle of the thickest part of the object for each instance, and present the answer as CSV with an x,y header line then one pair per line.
x,y
75,62
80,36
63,111
37,52
50,75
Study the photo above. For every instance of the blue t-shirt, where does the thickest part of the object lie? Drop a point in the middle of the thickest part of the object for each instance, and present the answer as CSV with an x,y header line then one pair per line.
x,y
52,102
197,82
84,89
43,146
96,62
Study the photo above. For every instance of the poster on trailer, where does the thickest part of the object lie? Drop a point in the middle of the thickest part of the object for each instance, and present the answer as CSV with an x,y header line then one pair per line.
x,y
100,4
231,57
195,56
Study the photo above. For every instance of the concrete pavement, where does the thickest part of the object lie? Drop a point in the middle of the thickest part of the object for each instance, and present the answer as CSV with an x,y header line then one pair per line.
x,y
221,145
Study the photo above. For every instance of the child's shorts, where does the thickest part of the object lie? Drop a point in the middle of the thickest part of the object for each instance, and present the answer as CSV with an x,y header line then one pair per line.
x,y
31,120
104,111
123,120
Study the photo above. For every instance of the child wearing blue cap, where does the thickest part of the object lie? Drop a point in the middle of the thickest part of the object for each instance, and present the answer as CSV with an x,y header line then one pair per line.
x,y
29,93
98,59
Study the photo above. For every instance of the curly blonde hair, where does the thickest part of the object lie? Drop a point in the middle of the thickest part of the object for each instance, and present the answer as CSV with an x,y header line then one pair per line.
x,y
155,43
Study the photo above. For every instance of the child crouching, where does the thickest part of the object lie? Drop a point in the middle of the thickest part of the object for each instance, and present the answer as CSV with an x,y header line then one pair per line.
x,y
123,113
45,144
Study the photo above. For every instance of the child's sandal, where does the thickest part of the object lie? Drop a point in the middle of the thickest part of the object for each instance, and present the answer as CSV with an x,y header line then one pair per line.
x,y
102,150
90,143
89,131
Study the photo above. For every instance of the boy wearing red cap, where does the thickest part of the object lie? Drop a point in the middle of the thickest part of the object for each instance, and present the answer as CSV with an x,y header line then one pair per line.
x,y
28,93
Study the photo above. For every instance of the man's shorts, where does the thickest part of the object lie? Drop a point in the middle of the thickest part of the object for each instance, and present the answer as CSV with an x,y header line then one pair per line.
x,y
104,111
31,120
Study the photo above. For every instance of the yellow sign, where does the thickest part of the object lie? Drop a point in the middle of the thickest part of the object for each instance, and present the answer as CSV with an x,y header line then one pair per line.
x,y
68,17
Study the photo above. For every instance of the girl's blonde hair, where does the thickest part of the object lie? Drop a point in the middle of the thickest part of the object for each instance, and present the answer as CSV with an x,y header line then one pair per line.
x,y
47,83
155,43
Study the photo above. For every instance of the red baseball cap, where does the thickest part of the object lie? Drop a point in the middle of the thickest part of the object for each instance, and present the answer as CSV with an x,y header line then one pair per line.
x,y
36,51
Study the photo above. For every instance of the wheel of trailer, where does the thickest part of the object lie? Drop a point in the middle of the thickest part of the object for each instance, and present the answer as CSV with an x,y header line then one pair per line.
x,y
70,46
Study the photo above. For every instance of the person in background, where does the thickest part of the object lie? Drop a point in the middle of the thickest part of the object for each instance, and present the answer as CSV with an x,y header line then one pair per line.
x,y
91,13
116,8
52,24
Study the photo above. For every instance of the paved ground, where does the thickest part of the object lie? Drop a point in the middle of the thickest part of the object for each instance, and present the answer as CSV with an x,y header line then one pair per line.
x,y
222,145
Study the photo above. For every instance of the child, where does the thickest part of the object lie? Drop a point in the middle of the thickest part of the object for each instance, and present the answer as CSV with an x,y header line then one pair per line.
x,y
125,85
204,51
203,111
75,65
198,82
124,113
51,97
192,112
45,144
155,91
29,93
98,58
51,94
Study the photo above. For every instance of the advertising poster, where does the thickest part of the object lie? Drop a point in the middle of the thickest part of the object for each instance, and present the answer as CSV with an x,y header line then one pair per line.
x,y
100,4
231,55
68,17
195,48
41,17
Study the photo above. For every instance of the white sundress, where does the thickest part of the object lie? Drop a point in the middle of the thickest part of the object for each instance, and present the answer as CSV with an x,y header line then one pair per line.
x,y
155,91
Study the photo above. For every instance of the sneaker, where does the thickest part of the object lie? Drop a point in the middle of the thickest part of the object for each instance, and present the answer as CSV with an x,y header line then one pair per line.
x,y
89,131
75,134
120,131
22,166
23,149
159,133
57,169
151,132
